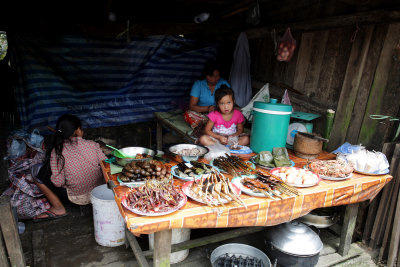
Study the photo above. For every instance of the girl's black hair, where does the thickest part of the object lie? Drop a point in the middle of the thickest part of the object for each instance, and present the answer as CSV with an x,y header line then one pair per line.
x,y
210,67
66,126
222,91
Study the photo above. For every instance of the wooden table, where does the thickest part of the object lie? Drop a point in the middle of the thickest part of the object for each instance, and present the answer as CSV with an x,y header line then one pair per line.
x,y
260,212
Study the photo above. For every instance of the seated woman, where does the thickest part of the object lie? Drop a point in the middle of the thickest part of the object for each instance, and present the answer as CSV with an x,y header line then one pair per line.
x,y
202,94
72,165
74,161
225,122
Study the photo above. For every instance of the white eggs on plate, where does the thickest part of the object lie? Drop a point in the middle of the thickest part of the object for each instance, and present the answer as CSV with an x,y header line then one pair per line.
x,y
296,176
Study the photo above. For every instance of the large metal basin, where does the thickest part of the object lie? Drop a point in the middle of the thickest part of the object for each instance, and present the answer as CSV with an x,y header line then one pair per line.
x,y
133,151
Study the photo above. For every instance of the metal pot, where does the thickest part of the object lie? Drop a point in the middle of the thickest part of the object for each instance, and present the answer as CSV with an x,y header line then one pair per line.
x,y
176,149
133,151
319,221
292,244
223,255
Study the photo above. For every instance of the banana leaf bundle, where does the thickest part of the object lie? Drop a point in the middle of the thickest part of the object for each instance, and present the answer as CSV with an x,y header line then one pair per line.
x,y
278,158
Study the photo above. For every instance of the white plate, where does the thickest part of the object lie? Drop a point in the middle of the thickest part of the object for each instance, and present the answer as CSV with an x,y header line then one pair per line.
x,y
238,182
138,212
188,185
131,184
375,174
174,173
336,178
253,166
241,150
276,170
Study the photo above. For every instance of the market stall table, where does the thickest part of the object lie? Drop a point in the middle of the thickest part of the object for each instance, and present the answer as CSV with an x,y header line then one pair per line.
x,y
259,211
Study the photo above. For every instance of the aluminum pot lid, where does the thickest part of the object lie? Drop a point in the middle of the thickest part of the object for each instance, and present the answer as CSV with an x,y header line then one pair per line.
x,y
294,238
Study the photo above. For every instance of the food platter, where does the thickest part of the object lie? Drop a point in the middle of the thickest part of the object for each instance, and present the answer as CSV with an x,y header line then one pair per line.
x,y
373,174
138,212
130,184
237,181
331,178
252,159
252,165
275,172
186,189
174,172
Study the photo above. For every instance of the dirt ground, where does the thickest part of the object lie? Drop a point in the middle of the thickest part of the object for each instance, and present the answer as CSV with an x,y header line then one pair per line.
x,y
70,242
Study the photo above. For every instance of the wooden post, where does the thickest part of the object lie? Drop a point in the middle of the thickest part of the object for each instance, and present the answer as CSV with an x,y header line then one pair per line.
x,y
10,233
162,248
349,223
3,253
159,135
136,249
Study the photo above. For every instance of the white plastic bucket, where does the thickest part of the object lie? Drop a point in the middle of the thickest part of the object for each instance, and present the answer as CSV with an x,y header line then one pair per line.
x,y
109,226
178,236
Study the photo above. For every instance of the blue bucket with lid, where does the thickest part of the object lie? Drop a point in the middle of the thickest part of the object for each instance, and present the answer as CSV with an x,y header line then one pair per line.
x,y
270,125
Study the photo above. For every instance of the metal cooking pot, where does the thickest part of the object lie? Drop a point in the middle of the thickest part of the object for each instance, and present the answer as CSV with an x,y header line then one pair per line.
x,y
292,244
133,151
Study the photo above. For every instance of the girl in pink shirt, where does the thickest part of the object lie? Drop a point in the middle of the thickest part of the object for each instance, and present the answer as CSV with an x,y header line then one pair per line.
x,y
225,121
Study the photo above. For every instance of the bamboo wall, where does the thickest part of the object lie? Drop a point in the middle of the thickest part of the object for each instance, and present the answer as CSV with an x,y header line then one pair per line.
x,y
354,72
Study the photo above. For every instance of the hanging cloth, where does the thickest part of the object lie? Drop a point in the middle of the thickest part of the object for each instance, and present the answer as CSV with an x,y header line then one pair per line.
x,y
240,78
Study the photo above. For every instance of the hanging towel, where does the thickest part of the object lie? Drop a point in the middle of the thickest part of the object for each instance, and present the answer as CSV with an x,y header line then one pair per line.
x,y
239,78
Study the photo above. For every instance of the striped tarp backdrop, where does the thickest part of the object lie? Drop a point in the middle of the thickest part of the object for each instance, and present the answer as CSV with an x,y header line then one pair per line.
x,y
104,82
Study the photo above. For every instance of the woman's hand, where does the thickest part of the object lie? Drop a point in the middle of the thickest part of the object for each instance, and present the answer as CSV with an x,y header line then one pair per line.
x,y
223,139
211,108
193,105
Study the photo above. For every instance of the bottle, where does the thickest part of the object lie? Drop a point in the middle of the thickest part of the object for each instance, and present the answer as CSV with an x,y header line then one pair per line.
x,y
21,228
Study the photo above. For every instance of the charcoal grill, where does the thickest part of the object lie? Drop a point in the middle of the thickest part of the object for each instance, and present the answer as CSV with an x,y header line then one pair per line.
x,y
238,255
228,261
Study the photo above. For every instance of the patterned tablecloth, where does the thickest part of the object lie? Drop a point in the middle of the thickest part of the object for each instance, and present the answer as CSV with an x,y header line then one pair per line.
x,y
259,211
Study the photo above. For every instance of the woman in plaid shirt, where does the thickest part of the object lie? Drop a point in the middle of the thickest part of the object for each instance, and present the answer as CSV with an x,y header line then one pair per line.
x,y
74,161
73,166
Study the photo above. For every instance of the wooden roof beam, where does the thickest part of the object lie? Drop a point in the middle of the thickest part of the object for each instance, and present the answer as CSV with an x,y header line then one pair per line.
x,y
362,18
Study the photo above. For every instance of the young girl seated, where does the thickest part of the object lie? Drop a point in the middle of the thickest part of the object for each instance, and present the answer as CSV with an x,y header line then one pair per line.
x,y
225,122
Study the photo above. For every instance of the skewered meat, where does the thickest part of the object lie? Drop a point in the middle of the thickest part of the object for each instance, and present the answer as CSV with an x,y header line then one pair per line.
x,y
154,196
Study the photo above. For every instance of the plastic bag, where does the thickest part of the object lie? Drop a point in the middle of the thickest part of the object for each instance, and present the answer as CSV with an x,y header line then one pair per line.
x,y
216,150
35,139
347,148
286,47
262,95
285,98
233,142
16,149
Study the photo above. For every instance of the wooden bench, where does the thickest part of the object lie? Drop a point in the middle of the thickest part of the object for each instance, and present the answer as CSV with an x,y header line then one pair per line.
x,y
174,121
